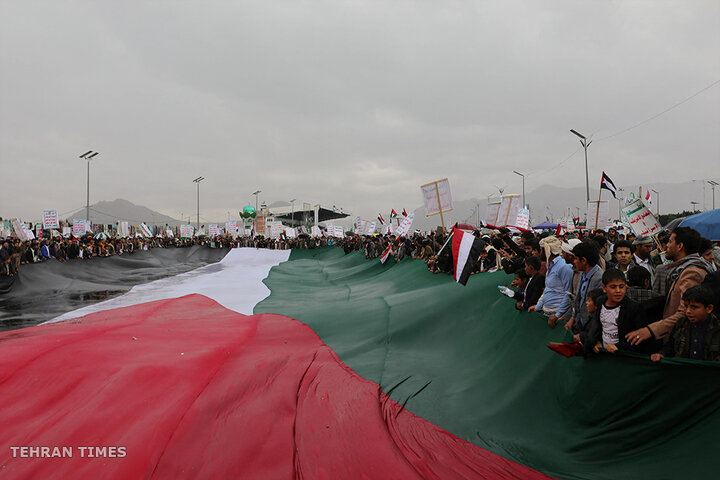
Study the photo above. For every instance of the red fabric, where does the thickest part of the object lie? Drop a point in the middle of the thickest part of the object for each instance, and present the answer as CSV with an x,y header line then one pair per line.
x,y
191,389
565,349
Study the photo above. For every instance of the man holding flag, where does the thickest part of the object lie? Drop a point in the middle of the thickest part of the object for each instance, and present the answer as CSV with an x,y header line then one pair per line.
x,y
466,249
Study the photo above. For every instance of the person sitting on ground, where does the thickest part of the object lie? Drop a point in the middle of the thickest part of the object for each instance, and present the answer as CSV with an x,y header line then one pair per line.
x,y
696,334
616,316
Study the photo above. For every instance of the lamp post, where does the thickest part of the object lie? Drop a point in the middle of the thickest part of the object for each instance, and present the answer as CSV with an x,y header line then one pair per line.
x,y
197,181
657,194
292,202
585,143
523,180
89,155
713,184
694,206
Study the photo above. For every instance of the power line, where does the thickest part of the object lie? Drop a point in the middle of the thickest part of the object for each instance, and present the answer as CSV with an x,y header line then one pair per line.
x,y
663,112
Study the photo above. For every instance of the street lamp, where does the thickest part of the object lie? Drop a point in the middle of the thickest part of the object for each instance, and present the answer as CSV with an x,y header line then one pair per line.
x,y
713,184
256,198
657,194
585,143
89,155
694,206
292,202
197,181
523,178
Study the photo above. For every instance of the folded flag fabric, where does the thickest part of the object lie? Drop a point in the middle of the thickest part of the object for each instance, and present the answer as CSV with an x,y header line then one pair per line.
x,y
565,349
608,184
466,249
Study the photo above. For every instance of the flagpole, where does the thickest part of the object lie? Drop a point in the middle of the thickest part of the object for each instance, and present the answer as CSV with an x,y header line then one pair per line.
x,y
597,211
442,219
446,242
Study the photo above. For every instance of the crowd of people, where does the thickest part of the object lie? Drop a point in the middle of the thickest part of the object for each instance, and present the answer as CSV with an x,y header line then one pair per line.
x,y
612,291
654,296
14,252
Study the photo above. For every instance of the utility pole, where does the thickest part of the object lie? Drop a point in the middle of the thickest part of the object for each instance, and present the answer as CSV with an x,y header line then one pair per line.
x,y
89,155
585,143
197,181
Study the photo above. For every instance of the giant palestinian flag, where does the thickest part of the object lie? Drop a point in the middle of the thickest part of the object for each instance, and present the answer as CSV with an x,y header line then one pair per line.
x,y
320,365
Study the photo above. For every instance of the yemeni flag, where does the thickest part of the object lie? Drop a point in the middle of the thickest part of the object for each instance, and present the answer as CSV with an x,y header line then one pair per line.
x,y
386,254
466,249
249,367
381,219
608,184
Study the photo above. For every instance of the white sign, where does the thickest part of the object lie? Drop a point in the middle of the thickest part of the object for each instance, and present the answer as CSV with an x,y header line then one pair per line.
x,y
437,197
404,227
50,219
491,215
67,231
231,228
358,225
339,232
370,228
213,230
316,232
388,229
597,216
523,218
169,233
145,230
640,218
508,211
276,228
79,228
291,233
21,230
186,231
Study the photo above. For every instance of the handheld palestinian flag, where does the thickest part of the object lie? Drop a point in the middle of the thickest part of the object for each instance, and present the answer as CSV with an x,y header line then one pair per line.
x,y
404,213
393,214
466,249
381,219
608,184
385,255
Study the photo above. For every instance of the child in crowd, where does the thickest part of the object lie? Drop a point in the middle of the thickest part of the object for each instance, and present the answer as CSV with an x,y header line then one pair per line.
x,y
696,334
615,315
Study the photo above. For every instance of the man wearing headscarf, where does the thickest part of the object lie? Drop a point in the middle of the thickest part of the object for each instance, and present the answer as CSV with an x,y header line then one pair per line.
x,y
558,279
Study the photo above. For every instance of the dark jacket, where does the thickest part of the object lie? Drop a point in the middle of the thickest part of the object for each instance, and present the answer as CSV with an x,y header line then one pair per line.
x,y
532,292
679,343
631,317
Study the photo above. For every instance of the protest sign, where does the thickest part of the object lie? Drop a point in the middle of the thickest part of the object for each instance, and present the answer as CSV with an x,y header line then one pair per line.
x,y
437,198
339,232
50,219
358,225
641,220
291,233
213,230
509,206
79,227
523,218
597,216
231,228
491,214
315,231
370,228
404,227
145,230
186,231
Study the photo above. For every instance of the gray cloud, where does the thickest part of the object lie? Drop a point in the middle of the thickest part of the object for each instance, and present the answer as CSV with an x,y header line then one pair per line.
x,y
347,103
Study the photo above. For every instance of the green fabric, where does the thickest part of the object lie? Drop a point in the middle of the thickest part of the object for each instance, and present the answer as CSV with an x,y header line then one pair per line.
x,y
464,359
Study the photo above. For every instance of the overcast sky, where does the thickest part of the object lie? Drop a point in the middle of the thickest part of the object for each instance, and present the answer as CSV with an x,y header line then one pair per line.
x,y
354,104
